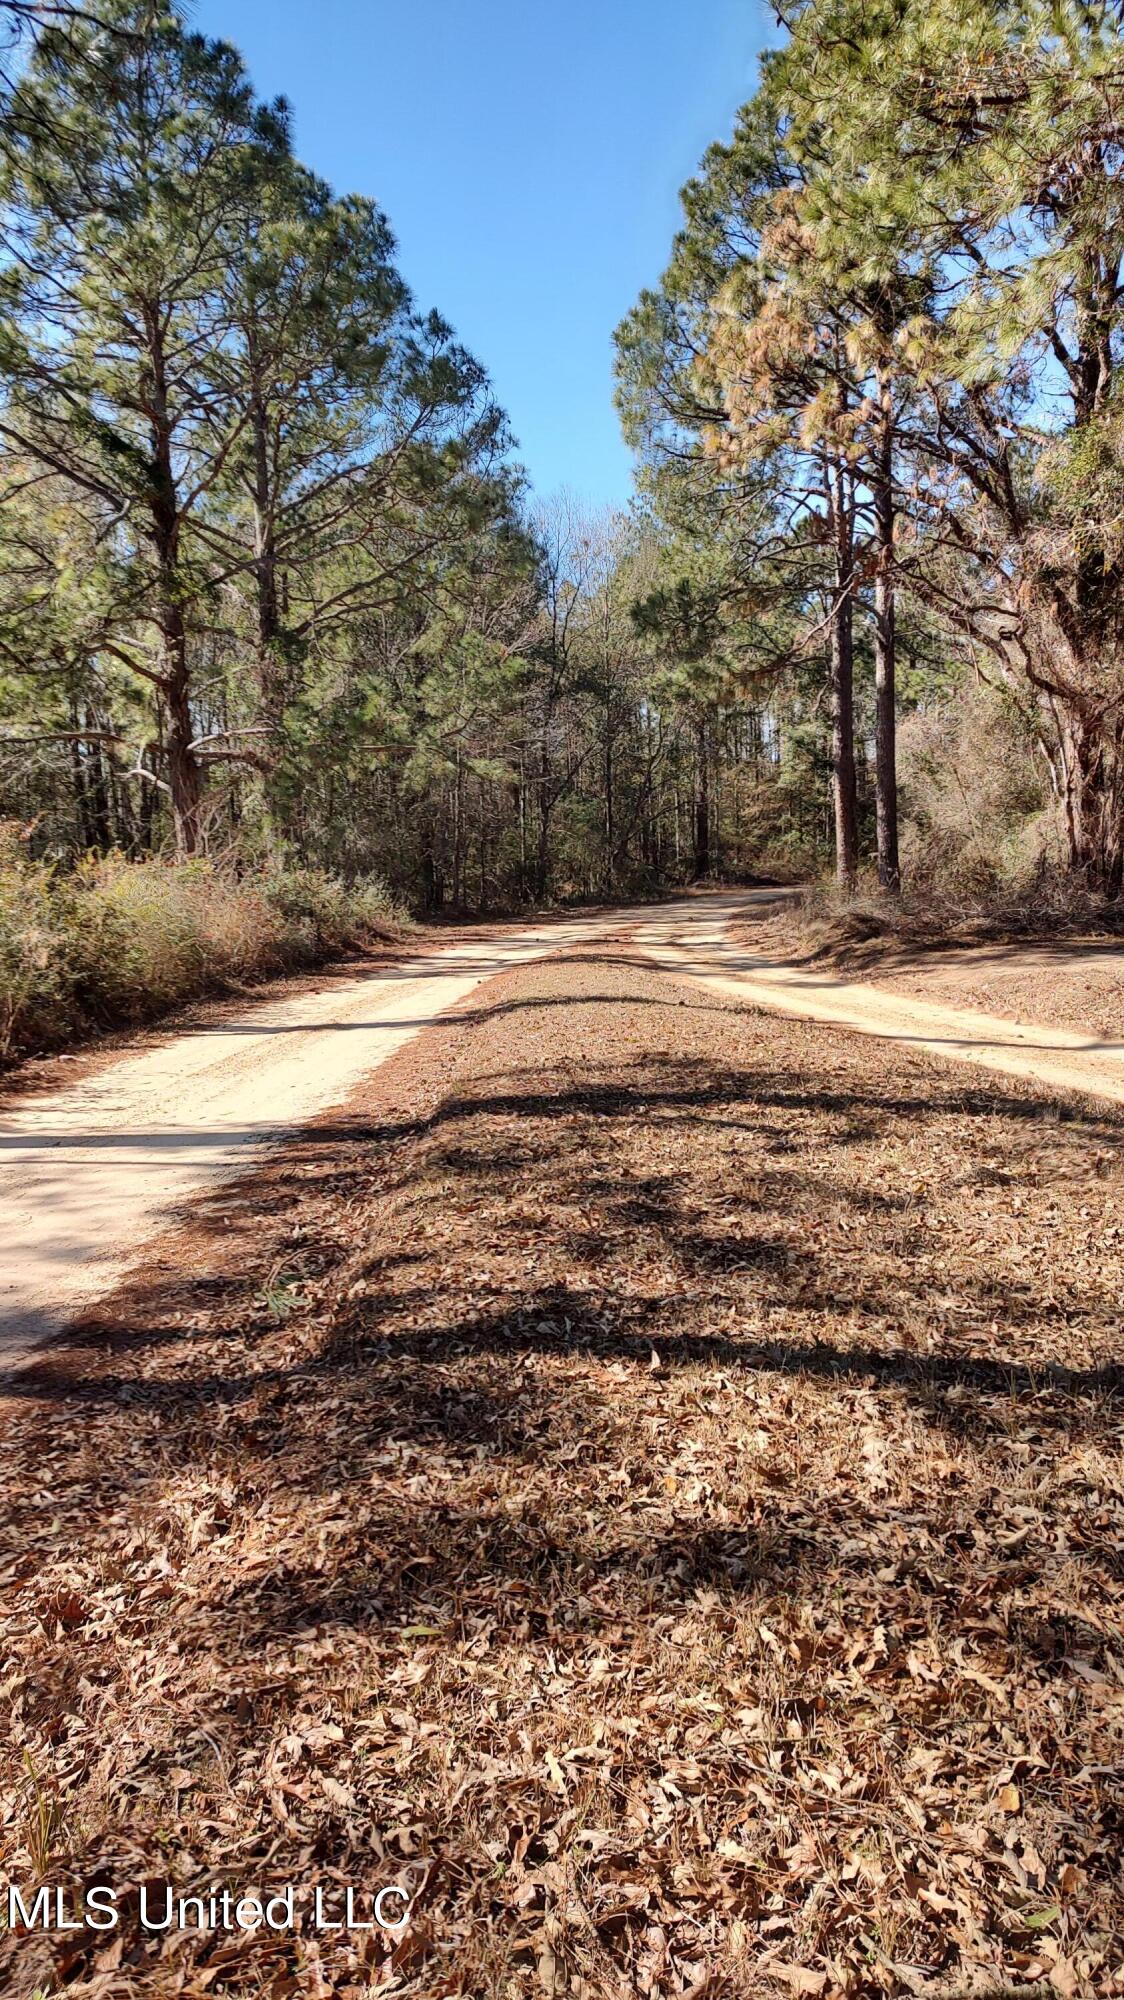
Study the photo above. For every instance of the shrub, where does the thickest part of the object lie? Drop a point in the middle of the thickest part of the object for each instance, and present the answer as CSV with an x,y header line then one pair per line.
x,y
325,914
119,941
977,820
33,985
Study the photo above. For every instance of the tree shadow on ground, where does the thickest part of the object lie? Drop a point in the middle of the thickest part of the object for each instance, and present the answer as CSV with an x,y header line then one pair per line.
x,y
675,1362
499,1140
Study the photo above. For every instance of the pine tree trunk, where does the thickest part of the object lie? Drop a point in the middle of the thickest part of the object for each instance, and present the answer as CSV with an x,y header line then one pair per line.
x,y
702,801
523,853
265,553
844,797
271,676
459,838
185,775
273,679
542,856
100,815
885,662
78,782
610,830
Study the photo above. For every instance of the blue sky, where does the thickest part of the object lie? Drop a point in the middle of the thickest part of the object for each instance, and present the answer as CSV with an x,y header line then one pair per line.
x,y
529,158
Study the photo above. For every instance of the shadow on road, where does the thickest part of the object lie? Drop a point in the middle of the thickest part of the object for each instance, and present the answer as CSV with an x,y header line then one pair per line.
x,y
638,1347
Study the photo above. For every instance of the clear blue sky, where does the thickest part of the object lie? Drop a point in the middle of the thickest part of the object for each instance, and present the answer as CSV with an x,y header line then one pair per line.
x,y
529,158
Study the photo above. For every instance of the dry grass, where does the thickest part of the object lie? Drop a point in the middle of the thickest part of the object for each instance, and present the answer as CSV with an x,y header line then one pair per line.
x,y
119,941
652,1482
870,928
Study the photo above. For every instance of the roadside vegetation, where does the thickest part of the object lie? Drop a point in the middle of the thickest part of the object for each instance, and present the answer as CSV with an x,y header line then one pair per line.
x,y
877,399
112,941
272,585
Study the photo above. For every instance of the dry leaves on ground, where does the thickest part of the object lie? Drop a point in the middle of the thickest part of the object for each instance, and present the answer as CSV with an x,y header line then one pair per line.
x,y
649,1481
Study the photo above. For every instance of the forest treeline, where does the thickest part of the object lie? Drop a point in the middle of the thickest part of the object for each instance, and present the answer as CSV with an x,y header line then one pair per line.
x,y
271,583
274,594
878,398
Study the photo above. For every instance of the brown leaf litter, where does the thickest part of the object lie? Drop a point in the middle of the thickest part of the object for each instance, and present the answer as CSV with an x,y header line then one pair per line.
x,y
648,1480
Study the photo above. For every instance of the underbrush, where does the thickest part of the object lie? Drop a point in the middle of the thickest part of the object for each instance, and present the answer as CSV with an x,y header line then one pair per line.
x,y
117,941
983,847
1047,903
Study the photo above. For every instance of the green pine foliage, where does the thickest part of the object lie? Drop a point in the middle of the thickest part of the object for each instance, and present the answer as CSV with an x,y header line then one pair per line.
x,y
273,594
897,293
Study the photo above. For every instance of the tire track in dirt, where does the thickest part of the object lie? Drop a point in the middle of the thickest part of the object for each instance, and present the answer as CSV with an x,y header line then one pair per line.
x,y
91,1175
700,948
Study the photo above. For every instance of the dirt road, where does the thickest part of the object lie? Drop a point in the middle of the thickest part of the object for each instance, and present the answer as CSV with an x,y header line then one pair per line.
x,y
90,1174
696,944
648,1481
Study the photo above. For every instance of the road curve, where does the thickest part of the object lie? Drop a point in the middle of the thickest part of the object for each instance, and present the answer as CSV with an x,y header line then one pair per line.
x,y
697,946
92,1173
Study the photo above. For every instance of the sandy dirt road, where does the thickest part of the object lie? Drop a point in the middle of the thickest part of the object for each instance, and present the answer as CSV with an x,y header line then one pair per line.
x,y
696,944
91,1174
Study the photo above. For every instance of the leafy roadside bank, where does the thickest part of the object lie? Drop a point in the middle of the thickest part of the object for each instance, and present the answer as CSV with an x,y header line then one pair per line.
x,y
1052,959
862,929
115,941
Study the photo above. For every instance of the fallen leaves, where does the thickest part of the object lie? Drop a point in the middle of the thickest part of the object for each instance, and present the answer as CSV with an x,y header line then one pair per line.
x,y
682,1535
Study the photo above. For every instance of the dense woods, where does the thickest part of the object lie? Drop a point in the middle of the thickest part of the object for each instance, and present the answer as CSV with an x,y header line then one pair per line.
x,y
879,388
271,581
274,592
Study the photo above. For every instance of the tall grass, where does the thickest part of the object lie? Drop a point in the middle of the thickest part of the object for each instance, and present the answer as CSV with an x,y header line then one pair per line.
x,y
117,941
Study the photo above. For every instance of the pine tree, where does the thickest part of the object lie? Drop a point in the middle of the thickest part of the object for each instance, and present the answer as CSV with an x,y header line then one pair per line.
x,y
977,147
126,191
